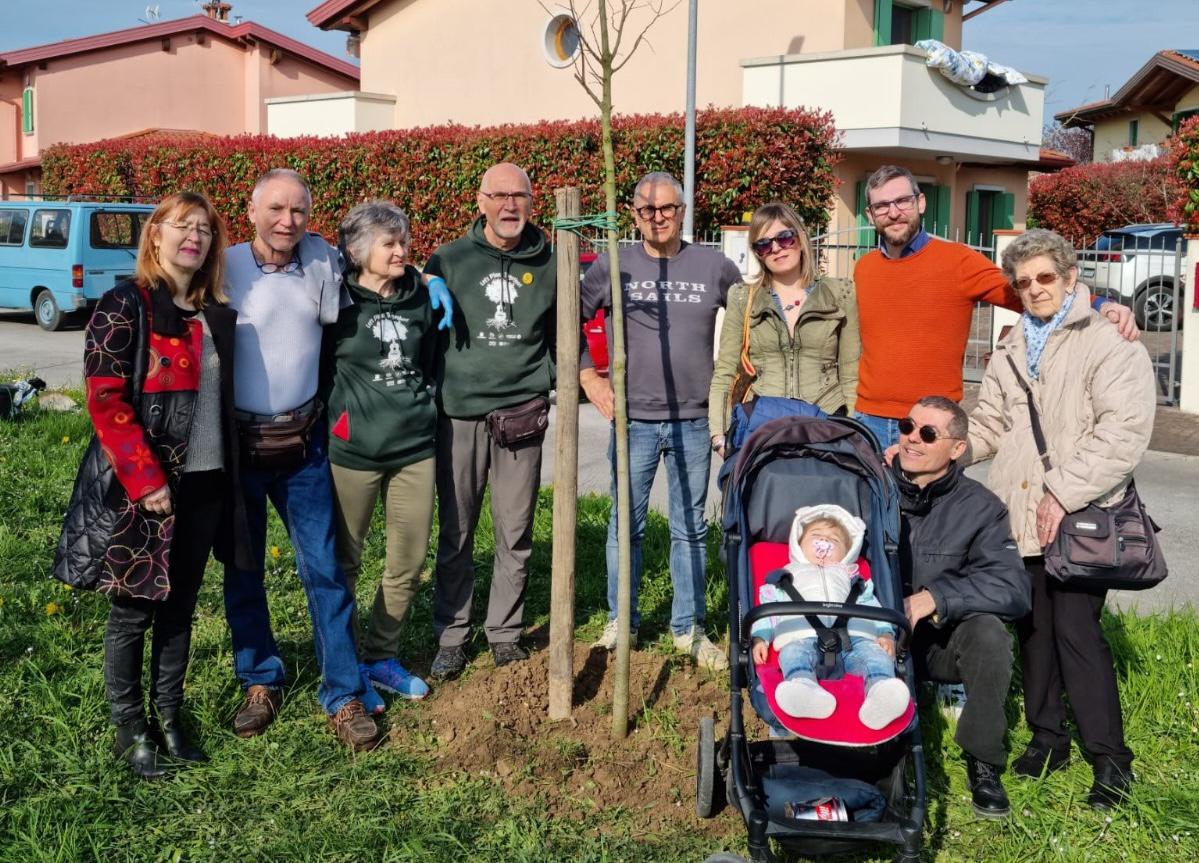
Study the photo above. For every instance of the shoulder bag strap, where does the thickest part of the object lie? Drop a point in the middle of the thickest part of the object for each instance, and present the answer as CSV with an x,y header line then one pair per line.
x,y
1037,434
746,365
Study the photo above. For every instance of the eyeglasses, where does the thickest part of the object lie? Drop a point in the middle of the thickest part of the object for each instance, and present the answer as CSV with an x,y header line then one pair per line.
x,y
204,231
903,205
648,212
1024,282
505,197
928,434
268,268
785,239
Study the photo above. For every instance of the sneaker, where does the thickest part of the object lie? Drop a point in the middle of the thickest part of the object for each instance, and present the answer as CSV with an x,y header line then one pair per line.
x,y
706,654
607,640
885,702
952,698
804,699
506,652
371,700
354,727
258,711
390,676
986,791
448,663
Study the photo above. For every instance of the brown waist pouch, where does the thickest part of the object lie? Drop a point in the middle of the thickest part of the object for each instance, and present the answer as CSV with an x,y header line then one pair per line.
x,y
282,445
526,421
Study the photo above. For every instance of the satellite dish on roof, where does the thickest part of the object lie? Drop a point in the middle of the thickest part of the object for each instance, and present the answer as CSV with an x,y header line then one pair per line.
x,y
561,41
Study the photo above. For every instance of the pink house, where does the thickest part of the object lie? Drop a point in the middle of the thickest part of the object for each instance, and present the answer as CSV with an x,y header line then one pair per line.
x,y
196,74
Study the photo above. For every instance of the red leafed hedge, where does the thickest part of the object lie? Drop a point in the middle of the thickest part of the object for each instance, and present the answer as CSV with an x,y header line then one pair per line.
x,y
1185,161
1081,202
744,157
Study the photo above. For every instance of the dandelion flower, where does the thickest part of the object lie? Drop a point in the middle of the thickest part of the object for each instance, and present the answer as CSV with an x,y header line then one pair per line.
x,y
66,438
1,602
275,553
67,588
53,608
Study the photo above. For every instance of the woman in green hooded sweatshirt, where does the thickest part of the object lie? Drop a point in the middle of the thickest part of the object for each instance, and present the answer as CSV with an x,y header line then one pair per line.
x,y
378,368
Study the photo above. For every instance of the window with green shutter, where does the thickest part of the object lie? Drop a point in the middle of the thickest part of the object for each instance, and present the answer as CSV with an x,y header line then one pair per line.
x,y
27,111
1134,127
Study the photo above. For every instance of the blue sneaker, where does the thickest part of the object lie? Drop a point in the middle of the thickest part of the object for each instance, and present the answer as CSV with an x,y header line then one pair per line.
x,y
390,676
371,700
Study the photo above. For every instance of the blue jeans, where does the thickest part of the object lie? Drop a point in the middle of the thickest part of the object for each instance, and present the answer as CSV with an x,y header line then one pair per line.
x,y
884,428
687,449
304,500
864,658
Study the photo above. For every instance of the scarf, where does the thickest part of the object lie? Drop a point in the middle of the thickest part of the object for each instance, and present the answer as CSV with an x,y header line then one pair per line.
x,y
1036,334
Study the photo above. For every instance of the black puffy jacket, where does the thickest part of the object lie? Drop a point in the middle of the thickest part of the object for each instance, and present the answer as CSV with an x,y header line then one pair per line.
x,y
956,542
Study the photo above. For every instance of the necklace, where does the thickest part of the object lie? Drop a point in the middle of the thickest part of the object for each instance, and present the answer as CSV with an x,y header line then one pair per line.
x,y
786,307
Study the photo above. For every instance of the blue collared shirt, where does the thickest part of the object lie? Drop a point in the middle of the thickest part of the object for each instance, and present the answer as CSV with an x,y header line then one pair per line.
x,y
917,243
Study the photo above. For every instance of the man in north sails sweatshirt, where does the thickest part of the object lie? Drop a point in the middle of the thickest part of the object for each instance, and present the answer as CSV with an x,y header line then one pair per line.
x,y
499,355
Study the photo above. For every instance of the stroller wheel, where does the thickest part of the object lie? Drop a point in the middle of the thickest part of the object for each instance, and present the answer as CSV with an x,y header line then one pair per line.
x,y
724,857
707,789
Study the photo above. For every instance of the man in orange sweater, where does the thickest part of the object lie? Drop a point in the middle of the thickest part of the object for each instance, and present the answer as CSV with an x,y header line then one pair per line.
x,y
916,296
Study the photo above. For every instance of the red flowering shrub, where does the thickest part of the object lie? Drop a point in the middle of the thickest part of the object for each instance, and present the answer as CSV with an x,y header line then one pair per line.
x,y
1082,202
744,157
1184,159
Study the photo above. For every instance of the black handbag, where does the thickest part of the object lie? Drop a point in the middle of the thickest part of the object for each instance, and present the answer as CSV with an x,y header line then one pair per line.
x,y
1102,548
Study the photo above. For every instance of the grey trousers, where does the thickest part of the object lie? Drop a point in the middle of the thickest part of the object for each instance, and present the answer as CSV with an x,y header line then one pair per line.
x,y
466,460
407,494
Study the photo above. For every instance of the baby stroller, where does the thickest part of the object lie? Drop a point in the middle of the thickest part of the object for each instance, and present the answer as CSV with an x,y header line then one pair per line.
x,y
809,768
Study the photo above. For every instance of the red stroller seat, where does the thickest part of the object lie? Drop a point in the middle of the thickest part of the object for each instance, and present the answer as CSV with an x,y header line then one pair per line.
x,y
842,728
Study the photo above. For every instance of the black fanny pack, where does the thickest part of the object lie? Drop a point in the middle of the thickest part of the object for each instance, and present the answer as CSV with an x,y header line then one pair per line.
x,y
280,443
525,421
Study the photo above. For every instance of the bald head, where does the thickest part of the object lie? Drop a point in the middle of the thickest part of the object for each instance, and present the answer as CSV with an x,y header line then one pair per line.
x,y
506,200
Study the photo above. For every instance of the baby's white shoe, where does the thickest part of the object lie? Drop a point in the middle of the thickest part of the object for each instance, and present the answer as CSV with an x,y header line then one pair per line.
x,y
804,699
885,702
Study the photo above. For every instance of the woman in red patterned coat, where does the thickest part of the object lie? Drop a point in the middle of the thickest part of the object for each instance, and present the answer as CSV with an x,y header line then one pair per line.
x,y
156,490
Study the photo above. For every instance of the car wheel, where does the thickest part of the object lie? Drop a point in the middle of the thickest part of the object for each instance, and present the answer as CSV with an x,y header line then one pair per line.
x,y
49,315
1154,307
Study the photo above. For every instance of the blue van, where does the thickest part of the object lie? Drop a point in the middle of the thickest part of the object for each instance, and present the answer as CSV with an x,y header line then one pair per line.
x,y
59,257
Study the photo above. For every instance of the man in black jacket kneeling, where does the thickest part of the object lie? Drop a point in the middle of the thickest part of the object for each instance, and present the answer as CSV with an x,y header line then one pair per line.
x,y
963,578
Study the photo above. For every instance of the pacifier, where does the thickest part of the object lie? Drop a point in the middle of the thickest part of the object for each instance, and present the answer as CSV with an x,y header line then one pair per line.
x,y
822,548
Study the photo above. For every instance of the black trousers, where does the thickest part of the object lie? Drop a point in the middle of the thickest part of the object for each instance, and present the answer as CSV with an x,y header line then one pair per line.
x,y
199,505
1063,652
976,652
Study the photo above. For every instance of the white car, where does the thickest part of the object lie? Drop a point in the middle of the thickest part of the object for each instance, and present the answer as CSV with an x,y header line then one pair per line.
x,y
1139,266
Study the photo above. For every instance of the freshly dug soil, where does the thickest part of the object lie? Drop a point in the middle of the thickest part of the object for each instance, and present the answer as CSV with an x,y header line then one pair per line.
x,y
494,722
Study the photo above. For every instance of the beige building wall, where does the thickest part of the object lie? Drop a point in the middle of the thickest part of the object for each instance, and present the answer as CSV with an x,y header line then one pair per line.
x,y
329,114
10,117
1113,134
482,61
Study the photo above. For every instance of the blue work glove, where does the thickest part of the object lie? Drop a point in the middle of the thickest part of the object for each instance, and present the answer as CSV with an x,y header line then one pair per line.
x,y
439,298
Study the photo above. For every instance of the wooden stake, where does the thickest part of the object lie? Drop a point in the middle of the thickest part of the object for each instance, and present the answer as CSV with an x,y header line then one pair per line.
x,y
566,463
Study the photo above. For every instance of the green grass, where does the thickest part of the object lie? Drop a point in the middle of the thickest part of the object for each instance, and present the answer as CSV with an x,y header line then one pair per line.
x,y
295,794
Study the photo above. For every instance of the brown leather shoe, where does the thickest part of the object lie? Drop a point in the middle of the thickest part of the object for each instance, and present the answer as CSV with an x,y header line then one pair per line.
x,y
354,727
258,711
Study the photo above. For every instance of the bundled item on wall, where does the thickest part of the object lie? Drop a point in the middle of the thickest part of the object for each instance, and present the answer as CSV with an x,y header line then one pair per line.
x,y
969,68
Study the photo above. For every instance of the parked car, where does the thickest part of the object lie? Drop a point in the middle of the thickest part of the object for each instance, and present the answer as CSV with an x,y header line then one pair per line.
x,y
1137,265
59,257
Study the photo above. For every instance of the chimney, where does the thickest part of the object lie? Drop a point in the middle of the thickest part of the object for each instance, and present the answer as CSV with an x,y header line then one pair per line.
x,y
217,10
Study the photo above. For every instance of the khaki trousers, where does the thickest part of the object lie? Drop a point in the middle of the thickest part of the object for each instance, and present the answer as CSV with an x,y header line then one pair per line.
x,y
407,494
466,459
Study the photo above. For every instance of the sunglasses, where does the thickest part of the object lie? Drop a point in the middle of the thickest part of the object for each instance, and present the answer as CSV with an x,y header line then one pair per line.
x,y
785,239
928,434
1024,282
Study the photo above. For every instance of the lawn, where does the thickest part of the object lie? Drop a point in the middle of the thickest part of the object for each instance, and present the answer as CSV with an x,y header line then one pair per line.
x,y
295,794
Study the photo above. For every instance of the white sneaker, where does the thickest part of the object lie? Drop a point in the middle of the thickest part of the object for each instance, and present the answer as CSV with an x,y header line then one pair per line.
x,y
706,654
607,639
952,698
805,699
885,702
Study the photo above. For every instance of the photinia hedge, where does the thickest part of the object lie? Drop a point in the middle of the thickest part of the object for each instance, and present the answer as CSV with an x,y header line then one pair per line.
x,y
1082,202
744,157
1185,162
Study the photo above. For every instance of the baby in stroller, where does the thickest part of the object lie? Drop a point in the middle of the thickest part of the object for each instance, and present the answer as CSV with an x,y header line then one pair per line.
x,y
825,542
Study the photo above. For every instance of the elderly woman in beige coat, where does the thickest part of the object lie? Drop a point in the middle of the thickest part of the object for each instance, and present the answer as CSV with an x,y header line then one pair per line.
x,y
1095,395
802,328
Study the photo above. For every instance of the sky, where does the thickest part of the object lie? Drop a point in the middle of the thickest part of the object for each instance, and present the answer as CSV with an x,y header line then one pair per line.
x,y
1082,46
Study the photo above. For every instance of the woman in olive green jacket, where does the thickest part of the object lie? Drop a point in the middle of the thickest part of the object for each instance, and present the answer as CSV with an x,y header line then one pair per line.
x,y
803,330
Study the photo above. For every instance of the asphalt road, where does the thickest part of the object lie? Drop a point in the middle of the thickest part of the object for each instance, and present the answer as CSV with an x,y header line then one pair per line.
x,y
1167,482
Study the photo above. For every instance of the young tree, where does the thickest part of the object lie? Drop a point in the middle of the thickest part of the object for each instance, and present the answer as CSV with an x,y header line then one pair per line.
x,y
606,42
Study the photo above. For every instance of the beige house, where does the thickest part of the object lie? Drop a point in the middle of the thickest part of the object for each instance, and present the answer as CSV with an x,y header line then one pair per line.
x,y
487,63
1136,122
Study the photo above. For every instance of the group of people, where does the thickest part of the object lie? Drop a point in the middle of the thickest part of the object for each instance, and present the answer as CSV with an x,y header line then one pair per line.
x,y
325,379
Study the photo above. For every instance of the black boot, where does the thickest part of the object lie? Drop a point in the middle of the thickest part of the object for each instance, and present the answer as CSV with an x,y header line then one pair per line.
x,y
1040,760
136,747
176,740
986,791
1112,783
